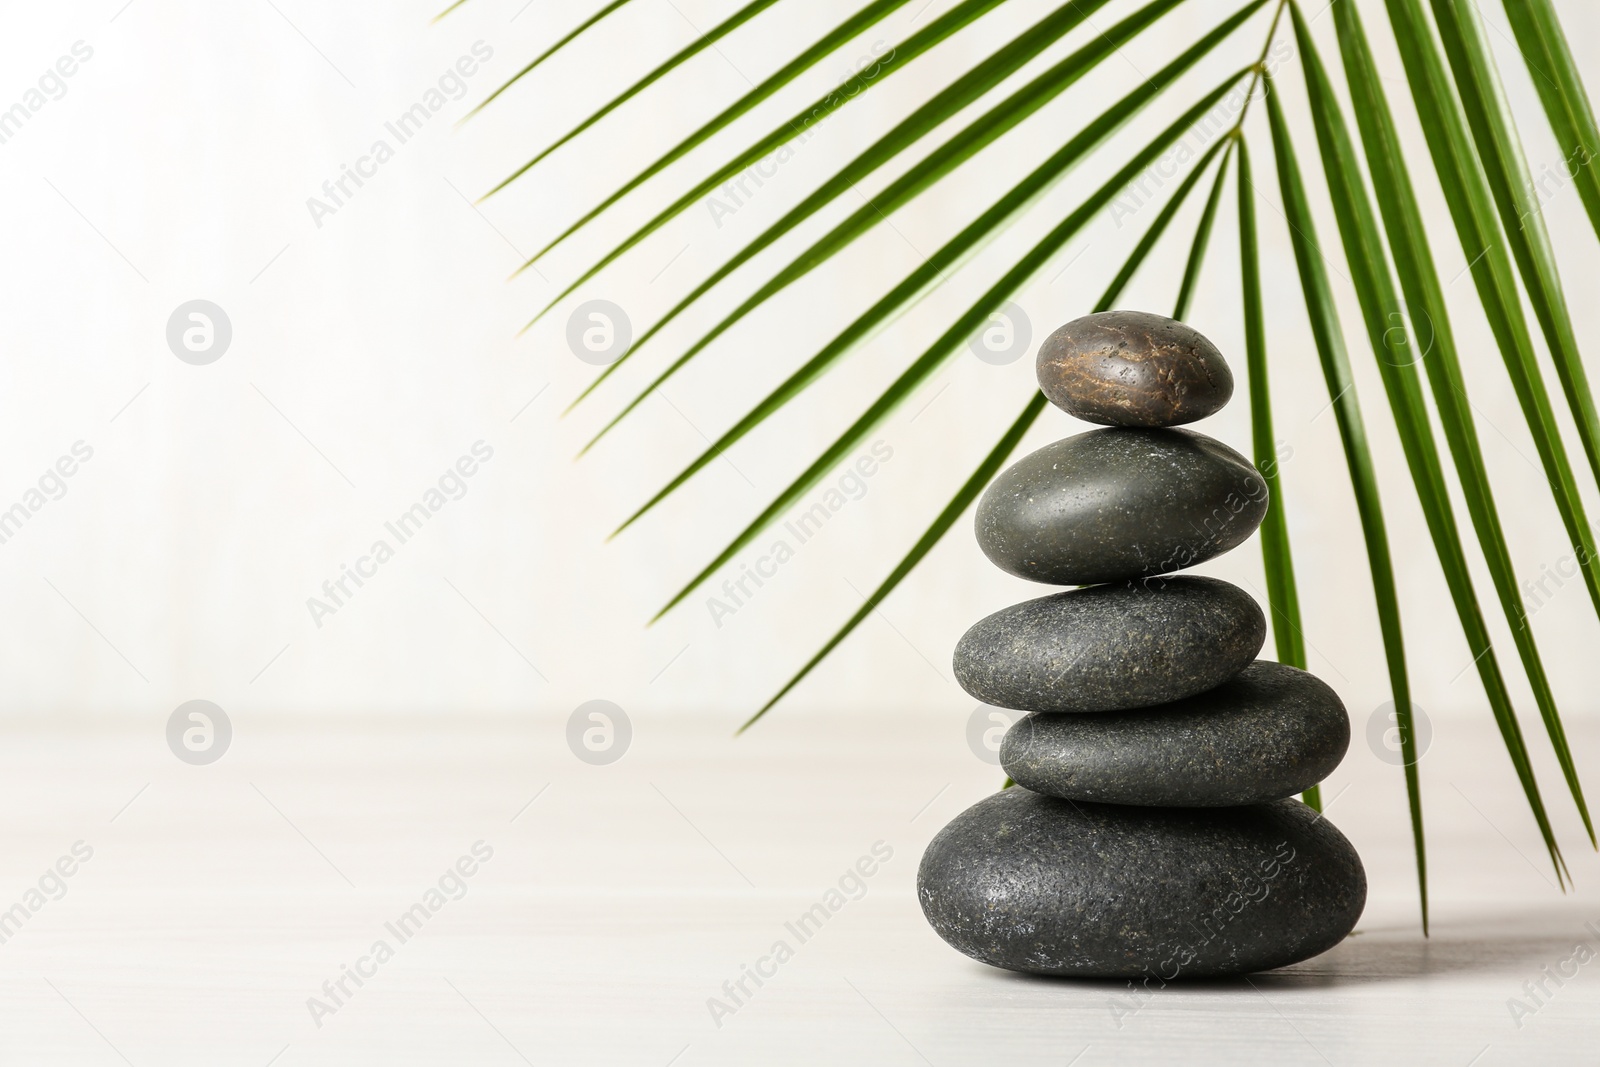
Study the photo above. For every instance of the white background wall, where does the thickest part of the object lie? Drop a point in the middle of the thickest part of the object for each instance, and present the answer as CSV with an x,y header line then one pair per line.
x,y
372,351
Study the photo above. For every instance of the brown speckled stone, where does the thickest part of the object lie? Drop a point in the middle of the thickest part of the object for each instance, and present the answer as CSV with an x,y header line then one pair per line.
x,y
1131,368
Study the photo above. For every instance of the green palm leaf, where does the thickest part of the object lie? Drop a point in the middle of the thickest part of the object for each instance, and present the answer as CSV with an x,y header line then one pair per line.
x,y
1329,338
547,53
1202,238
939,163
1475,155
952,21
1283,598
955,97
1386,329
1419,280
1495,135
974,486
1549,60
969,491
682,56
1141,250
963,328
1466,192
928,171
919,282
826,45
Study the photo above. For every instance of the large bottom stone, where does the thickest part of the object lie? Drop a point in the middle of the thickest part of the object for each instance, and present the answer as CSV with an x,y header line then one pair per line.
x,y
1060,887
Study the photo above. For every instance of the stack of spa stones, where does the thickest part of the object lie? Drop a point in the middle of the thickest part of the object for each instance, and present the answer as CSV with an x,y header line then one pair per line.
x,y
1153,830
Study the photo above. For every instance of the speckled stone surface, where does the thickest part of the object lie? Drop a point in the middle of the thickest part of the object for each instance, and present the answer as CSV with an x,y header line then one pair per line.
x,y
1035,883
1132,368
1114,504
1271,732
1110,647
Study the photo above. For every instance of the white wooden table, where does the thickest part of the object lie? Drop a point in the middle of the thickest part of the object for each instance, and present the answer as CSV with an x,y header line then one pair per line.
x,y
218,900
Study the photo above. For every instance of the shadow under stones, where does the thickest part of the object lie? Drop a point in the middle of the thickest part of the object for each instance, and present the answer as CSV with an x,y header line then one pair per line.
x,y
1494,942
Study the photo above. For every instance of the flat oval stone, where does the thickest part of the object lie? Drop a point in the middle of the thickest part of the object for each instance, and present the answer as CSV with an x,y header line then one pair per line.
x,y
1109,505
1035,883
1131,368
1109,647
1269,733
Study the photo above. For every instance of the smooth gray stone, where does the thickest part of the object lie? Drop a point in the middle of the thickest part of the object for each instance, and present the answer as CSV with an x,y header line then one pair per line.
x,y
1109,505
1110,647
1271,732
1035,883
1132,368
